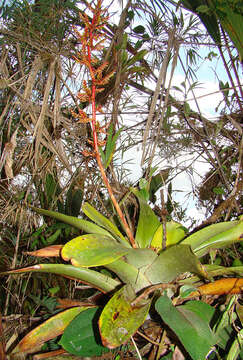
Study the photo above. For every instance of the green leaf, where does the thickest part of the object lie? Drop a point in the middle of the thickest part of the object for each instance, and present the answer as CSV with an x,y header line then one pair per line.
x,y
50,187
203,9
94,278
172,262
157,181
200,308
139,29
73,221
101,220
81,336
129,274
148,222
193,331
49,329
236,349
175,232
141,258
218,190
187,109
110,145
231,22
226,238
201,236
92,250
119,320
209,20
51,239
73,201
139,56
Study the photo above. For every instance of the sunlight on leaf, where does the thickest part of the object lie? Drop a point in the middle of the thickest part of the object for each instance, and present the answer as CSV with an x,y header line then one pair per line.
x,y
175,232
148,222
92,250
101,220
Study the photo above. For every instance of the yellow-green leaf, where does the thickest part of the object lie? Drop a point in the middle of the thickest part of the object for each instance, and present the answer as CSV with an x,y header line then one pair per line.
x,y
148,222
101,220
175,232
92,250
49,329
119,320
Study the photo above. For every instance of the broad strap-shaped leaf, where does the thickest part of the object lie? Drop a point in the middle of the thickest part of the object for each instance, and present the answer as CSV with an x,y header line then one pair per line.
x,y
81,336
201,236
99,281
129,274
81,224
141,258
172,262
175,232
215,270
226,238
92,250
193,331
119,320
101,220
48,330
148,222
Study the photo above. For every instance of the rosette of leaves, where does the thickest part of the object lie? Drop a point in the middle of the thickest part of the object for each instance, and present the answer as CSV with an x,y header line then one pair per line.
x,y
132,276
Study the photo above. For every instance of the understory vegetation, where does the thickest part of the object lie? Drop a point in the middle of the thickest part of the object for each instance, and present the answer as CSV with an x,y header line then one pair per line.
x,y
121,179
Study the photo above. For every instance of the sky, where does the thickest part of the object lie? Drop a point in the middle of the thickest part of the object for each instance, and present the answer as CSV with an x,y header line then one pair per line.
x,y
208,98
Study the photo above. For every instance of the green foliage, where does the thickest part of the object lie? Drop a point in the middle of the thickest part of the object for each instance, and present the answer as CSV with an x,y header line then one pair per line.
x,y
110,146
81,337
190,322
116,327
147,223
138,269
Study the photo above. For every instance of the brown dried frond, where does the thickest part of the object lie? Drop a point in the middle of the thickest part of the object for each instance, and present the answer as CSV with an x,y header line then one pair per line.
x,y
78,34
84,17
99,142
94,61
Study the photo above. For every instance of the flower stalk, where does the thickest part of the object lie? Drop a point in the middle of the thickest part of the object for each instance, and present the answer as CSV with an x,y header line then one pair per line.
x,y
92,40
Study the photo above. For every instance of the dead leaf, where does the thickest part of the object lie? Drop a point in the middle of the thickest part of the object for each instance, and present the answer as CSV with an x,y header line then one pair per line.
x,y
220,287
49,251
9,151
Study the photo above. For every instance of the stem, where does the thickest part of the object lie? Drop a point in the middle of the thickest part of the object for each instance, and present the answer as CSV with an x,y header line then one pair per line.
x,y
96,148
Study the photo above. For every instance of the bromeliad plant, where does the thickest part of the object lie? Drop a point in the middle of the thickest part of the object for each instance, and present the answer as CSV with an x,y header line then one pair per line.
x,y
143,272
